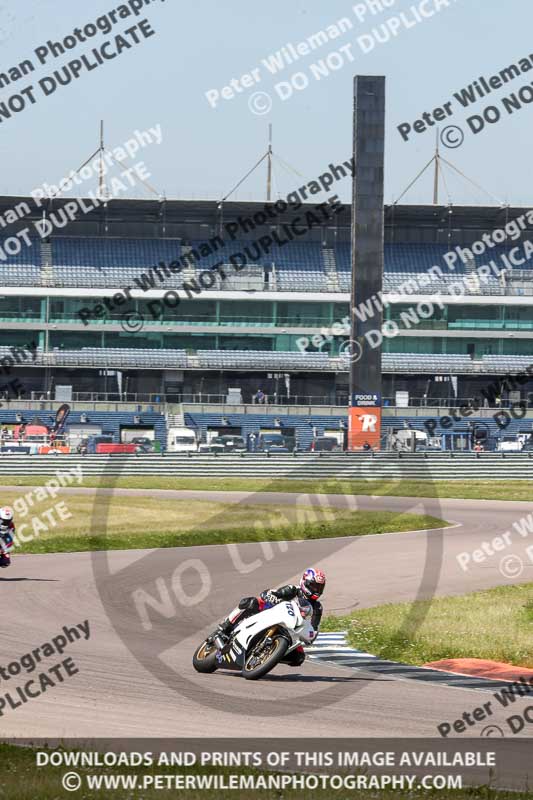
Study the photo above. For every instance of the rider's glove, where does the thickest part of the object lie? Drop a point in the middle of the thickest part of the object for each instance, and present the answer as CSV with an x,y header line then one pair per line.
x,y
269,597
287,592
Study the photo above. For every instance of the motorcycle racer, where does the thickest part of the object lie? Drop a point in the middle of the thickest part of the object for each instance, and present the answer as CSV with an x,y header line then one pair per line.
x,y
310,588
7,532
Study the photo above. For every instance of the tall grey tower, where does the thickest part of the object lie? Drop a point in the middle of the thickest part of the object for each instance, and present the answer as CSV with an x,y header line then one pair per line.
x,y
367,255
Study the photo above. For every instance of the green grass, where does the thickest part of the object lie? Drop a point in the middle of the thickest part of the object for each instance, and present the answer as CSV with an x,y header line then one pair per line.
x,y
496,624
22,780
476,490
120,522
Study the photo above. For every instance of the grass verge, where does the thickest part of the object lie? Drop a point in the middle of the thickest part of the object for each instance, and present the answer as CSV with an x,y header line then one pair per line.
x,y
473,490
144,522
496,624
22,780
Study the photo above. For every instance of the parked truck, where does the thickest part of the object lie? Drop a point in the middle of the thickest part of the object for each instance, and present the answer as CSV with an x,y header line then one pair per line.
x,y
182,440
105,444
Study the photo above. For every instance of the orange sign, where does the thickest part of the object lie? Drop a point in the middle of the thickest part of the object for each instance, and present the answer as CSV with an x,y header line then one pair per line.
x,y
46,448
364,428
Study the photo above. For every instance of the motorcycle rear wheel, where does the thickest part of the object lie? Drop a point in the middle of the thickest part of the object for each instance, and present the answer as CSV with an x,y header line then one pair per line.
x,y
267,659
205,658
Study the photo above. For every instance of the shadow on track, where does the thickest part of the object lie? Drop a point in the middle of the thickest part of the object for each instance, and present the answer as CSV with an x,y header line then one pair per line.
x,y
299,678
45,580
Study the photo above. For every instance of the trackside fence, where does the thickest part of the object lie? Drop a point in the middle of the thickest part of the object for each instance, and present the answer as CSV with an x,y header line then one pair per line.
x,y
440,466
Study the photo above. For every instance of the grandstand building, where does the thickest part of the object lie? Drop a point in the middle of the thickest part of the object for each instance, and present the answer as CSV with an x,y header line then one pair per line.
x,y
91,298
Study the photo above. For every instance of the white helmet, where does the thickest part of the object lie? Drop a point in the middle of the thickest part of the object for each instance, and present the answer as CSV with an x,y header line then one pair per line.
x,y
6,514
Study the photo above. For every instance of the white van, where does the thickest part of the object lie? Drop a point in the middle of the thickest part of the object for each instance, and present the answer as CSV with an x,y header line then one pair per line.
x,y
509,444
181,440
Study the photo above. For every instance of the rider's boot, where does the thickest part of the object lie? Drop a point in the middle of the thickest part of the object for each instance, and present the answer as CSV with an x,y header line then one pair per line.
x,y
227,625
247,606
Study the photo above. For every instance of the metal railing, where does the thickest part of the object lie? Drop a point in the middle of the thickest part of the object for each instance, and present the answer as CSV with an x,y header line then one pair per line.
x,y
419,466
228,321
224,320
340,400
200,398
458,402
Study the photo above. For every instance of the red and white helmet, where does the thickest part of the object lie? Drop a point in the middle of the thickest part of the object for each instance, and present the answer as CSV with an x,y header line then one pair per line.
x,y
313,583
6,514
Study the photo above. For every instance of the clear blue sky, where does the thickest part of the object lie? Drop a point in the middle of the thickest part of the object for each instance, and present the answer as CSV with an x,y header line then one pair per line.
x,y
201,46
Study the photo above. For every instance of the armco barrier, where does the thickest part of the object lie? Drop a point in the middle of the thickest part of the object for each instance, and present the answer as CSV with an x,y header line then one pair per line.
x,y
387,466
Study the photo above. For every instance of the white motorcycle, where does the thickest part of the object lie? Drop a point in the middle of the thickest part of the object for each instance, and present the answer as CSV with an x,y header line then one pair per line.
x,y
259,642
6,546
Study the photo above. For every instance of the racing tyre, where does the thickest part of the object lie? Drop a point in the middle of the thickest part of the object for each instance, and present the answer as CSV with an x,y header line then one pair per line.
x,y
259,663
205,658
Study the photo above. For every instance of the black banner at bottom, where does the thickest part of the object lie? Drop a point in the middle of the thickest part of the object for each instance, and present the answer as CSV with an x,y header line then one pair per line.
x,y
292,768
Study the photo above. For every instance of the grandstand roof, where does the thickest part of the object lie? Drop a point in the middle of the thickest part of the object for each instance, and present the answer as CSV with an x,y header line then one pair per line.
x,y
464,217
116,215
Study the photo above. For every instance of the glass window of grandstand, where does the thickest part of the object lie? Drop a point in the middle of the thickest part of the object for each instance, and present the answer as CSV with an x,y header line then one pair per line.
x,y
242,312
19,338
190,342
407,316
68,340
476,348
247,343
62,309
515,347
414,344
518,318
488,317
20,309
483,317
133,341
187,312
299,314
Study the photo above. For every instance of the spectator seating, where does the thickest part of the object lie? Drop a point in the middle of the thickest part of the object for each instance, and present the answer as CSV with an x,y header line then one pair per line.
x,y
267,360
511,364
22,269
104,253
243,359
252,360
99,262
421,362
118,358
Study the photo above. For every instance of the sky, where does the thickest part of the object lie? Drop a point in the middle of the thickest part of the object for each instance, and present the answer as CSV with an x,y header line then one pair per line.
x,y
200,47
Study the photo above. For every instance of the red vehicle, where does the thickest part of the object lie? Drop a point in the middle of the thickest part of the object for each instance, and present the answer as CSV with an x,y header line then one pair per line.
x,y
110,447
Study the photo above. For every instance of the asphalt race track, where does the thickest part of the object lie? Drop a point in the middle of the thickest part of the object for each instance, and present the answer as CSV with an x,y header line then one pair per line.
x,y
120,690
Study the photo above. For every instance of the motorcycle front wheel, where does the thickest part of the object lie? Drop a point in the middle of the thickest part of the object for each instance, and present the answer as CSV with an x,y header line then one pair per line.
x,y
205,657
263,658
